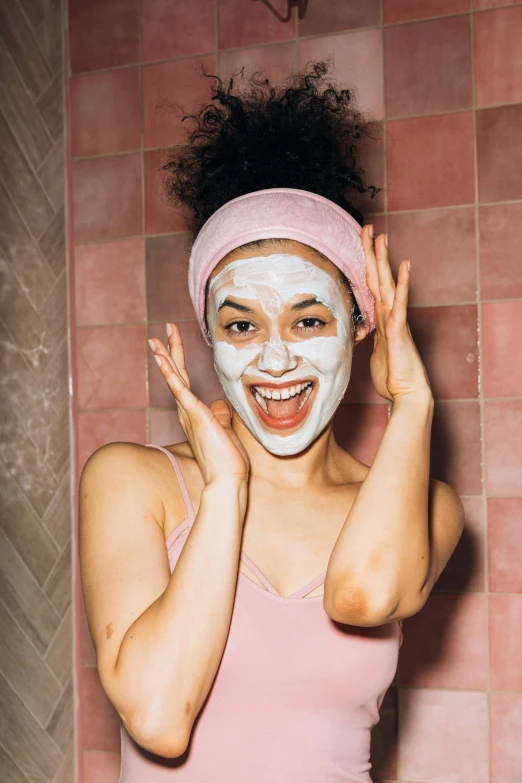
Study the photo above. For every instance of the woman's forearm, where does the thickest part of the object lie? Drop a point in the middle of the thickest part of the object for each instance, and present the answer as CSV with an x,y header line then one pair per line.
x,y
382,552
170,655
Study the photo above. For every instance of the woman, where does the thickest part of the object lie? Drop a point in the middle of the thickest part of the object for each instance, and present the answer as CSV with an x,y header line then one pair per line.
x,y
245,589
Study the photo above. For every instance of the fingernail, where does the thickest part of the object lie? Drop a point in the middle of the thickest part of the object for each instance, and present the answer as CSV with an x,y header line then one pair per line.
x,y
371,230
386,240
409,264
158,360
152,346
168,327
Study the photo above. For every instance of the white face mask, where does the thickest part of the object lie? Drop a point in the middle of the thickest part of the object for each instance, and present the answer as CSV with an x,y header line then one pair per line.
x,y
272,281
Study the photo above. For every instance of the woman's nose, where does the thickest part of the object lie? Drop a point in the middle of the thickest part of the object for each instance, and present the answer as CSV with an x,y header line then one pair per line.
x,y
275,357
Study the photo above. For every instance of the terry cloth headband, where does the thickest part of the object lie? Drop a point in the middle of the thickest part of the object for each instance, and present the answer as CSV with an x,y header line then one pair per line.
x,y
281,213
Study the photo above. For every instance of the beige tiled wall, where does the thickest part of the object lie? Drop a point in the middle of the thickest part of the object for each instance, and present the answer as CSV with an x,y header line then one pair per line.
x,y
36,649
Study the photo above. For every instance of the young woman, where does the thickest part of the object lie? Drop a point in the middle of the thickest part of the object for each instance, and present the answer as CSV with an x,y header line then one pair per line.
x,y
245,589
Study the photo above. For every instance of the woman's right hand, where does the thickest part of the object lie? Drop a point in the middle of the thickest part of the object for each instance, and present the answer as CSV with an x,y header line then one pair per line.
x,y
218,450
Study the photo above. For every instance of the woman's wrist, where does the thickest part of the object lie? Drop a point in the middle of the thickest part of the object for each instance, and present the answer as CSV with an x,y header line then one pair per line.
x,y
226,489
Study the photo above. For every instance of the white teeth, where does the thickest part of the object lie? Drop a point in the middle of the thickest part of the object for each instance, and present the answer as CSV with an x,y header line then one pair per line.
x,y
285,394
268,394
305,396
276,395
261,401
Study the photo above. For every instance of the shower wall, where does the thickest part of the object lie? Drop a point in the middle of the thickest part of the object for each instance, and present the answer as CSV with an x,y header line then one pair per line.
x,y
36,641
442,81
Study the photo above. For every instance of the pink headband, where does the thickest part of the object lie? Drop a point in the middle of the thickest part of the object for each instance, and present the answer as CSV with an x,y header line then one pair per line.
x,y
281,213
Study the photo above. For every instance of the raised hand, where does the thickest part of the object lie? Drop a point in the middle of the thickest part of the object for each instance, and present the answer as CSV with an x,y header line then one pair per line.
x,y
396,366
218,450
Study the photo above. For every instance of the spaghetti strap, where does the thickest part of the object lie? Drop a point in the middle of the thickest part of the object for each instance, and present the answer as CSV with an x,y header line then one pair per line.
x,y
309,587
260,575
181,481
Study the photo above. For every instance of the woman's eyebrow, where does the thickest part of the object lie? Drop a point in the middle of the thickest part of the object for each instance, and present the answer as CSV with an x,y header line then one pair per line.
x,y
308,303
235,305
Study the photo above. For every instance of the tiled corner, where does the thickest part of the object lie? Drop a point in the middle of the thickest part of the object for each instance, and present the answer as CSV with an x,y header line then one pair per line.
x,y
106,198
503,436
338,15
505,545
96,428
505,640
501,325
276,61
455,445
440,50
100,767
167,278
111,366
170,90
109,280
445,644
358,65
443,735
100,721
505,720
105,113
408,10
446,338
442,177
500,267
102,35
161,217
442,248
176,29
498,56
248,24
499,153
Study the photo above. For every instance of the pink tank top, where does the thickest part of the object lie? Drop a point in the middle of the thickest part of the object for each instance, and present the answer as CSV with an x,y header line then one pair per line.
x,y
294,699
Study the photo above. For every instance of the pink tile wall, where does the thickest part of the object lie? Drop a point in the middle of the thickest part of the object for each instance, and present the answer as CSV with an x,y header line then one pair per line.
x,y
442,78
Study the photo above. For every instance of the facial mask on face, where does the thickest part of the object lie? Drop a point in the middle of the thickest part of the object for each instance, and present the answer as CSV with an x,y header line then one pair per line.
x,y
271,281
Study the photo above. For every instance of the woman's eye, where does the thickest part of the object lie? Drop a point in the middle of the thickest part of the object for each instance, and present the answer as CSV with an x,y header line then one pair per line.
x,y
311,323
239,327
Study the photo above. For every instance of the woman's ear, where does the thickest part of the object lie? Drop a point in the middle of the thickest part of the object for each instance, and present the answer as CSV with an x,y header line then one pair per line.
x,y
360,334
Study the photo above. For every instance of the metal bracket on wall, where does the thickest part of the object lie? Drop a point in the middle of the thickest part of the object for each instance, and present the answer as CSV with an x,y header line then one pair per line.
x,y
299,4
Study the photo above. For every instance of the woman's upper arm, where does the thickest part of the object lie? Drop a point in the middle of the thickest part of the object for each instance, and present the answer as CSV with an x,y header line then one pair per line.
x,y
123,558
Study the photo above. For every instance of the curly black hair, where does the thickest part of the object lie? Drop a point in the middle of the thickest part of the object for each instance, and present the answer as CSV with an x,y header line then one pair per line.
x,y
301,133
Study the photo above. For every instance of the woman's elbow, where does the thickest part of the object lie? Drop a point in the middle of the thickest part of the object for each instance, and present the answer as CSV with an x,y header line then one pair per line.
x,y
161,741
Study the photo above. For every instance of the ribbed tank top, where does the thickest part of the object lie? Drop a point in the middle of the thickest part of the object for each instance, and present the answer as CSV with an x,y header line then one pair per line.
x,y
295,696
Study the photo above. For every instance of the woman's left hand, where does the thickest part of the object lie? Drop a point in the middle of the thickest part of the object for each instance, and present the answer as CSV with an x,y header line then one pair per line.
x,y
396,366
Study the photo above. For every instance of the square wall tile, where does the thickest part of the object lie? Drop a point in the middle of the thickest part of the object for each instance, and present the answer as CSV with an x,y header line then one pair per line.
x,y
248,24
359,429
430,161
100,721
501,325
103,34
481,4
503,436
105,112
498,56
442,248
465,569
106,198
439,53
199,363
446,338
161,217
505,545
500,267
505,642
445,644
167,279
443,736
101,767
176,29
96,428
337,15
109,282
455,446
165,429
499,153
406,10
277,61
505,720
171,90
111,366
358,66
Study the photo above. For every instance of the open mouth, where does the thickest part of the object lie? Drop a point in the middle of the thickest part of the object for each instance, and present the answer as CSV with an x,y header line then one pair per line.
x,y
283,406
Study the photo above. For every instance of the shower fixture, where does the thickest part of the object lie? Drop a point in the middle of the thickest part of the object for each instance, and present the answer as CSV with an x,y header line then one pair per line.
x,y
299,4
